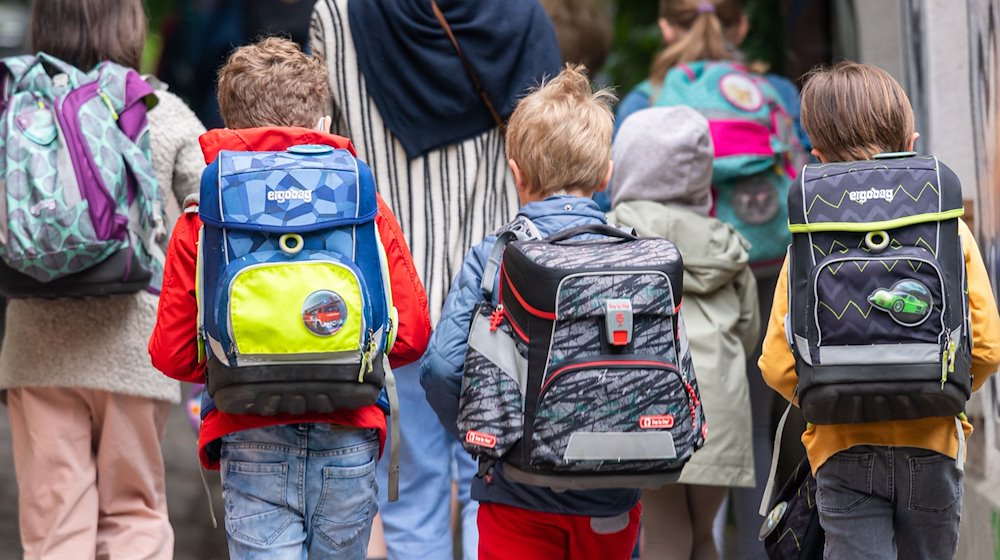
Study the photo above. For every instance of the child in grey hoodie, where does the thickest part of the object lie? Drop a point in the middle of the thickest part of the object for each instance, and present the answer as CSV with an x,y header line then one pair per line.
x,y
662,188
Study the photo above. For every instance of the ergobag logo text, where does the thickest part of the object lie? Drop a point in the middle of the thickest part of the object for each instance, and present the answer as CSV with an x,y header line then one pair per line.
x,y
290,194
878,311
873,193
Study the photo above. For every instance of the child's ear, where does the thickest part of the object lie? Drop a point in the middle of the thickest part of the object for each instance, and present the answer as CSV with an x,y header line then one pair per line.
x,y
607,178
819,155
912,142
522,191
324,124
667,30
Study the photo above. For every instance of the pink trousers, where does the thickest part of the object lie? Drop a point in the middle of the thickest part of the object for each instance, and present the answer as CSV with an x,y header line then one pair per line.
x,y
90,474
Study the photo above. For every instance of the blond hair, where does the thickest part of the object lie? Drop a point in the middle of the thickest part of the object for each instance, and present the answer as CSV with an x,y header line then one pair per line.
x,y
853,112
560,134
273,83
707,28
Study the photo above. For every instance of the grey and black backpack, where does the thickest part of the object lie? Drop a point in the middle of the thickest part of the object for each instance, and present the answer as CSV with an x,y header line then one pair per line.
x,y
878,301
581,377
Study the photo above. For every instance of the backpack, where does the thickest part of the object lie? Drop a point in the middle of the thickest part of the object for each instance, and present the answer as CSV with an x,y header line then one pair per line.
x,y
79,204
878,315
757,151
791,529
295,305
581,377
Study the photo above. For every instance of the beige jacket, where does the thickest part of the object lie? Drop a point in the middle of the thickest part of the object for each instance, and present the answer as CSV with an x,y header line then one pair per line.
x,y
100,343
721,315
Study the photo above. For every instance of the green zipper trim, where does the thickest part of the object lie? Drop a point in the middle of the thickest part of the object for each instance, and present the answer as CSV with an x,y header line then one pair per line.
x,y
877,226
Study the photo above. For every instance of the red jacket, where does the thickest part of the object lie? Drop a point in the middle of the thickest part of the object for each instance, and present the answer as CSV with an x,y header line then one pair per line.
x,y
173,345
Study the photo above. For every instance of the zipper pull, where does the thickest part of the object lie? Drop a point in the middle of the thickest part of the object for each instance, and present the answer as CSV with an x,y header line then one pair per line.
x,y
366,357
496,318
951,357
944,368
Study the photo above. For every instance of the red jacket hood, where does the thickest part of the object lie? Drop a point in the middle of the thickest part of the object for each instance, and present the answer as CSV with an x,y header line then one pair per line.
x,y
266,139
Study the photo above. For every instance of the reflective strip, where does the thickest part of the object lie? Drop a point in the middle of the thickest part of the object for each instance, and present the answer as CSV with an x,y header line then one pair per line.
x,y
625,446
802,345
878,354
216,347
499,348
869,355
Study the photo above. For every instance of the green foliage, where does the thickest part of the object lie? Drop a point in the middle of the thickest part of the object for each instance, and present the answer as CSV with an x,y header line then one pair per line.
x,y
636,40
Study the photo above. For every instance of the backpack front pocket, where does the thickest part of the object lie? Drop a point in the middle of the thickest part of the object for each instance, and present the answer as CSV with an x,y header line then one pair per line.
x,y
297,309
491,416
865,299
614,415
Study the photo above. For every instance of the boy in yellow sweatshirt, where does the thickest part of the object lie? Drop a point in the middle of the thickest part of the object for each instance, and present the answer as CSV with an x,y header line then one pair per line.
x,y
885,489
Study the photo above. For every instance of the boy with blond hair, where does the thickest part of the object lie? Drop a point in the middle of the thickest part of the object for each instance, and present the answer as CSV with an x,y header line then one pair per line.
x,y
891,486
559,150
295,485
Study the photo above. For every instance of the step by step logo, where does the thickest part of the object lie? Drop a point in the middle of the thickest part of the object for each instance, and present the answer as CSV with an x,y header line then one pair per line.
x,y
480,439
656,422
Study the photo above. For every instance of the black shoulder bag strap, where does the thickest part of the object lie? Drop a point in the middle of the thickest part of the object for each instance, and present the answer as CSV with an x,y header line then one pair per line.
x,y
468,67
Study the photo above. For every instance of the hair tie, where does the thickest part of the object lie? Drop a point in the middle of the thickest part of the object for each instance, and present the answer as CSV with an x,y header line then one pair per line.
x,y
706,8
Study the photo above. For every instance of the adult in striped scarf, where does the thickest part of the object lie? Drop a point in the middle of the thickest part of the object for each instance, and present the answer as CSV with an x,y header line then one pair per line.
x,y
425,118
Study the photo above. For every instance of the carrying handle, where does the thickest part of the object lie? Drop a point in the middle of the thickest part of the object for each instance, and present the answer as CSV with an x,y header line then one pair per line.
x,y
61,66
600,229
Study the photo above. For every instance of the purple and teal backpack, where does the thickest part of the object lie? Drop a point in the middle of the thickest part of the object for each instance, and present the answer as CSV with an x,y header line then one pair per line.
x,y
79,205
757,151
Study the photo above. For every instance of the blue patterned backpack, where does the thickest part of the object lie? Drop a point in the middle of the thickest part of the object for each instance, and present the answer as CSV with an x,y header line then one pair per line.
x,y
757,152
293,287
79,205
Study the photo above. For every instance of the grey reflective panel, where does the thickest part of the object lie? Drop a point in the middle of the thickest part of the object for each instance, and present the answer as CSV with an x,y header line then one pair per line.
x,y
590,446
879,354
499,348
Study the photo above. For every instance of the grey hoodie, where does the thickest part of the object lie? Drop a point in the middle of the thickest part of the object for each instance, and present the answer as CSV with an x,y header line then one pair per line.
x,y
721,315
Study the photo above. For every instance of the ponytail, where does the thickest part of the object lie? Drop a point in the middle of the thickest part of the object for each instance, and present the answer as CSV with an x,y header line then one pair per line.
x,y
704,26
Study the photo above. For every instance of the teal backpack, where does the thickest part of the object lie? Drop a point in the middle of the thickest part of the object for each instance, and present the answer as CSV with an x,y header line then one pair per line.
x,y
757,151
79,204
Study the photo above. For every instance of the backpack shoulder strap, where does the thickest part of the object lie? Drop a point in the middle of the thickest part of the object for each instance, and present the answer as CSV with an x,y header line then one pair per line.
x,y
520,229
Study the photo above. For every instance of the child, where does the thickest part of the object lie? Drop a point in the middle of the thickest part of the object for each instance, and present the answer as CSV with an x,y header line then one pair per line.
x,y
88,413
559,145
293,484
704,35
662,188
890,487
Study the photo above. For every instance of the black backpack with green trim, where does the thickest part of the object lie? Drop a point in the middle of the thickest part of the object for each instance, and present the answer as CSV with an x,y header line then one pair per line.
x,y
878,302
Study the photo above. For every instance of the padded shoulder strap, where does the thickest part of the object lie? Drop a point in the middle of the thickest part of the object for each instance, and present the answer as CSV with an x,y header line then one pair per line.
x,y
520,229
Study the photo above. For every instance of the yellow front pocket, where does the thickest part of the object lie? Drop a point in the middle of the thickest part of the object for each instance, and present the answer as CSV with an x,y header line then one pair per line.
x,y
289,309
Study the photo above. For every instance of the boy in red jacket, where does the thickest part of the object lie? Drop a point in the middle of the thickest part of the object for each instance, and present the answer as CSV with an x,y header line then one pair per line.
x,y
292,483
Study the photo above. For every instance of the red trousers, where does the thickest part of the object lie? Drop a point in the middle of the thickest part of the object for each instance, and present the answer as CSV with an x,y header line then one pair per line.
x,y
510,533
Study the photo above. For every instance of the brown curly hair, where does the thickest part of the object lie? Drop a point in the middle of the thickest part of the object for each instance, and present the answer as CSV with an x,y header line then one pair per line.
x,y
273,83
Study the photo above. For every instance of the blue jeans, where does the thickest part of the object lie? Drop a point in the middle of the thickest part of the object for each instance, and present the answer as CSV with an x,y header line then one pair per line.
x,y
299,491
418,526
886,502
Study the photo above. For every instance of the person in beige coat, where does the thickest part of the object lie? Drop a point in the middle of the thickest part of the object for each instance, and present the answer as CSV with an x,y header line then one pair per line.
x,y
87,410
662,188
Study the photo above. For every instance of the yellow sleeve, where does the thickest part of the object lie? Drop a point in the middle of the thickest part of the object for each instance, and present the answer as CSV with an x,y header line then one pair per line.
x,y
777,364
982,310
